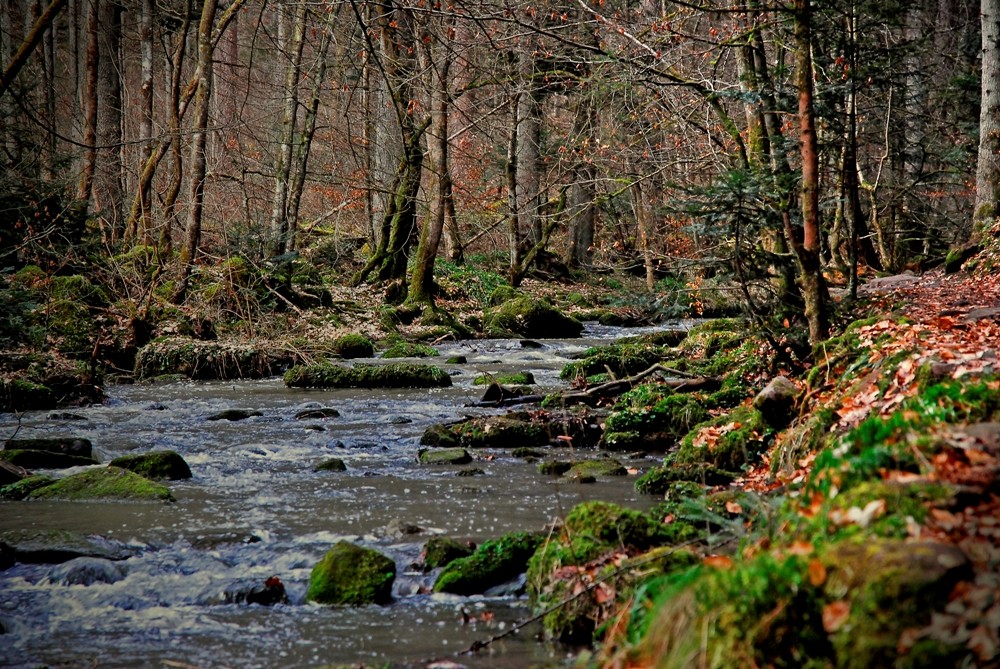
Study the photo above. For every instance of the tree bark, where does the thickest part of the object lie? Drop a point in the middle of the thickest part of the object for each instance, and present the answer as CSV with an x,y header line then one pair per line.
x,y
84,189
988,161
108,182
30,43
203,97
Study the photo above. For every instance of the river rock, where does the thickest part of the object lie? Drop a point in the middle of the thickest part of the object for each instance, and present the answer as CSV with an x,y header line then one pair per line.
x,y
324,412
487,432
156,465
406,349
351,346
65,415
594,468
530,318
234,414
657,480
494,562
7,558
441,551
514,378
776,402
349,575
57,546
74,446
44,459
104,483
87,571
445,456
331,465
268,593
393,375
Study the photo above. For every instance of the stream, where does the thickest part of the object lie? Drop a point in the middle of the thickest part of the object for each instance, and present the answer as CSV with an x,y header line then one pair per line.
x,y
255,509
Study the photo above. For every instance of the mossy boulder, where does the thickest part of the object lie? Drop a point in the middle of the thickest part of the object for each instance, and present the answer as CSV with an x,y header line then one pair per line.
x,y
350,575
156,465
351,346
512,379
406,349
592,534
776,402
445,456
104,483
493,563
45,380
529,317
30,459
442,551
487,432
624,359
728,442
393,375
658,480
656,415
21,489
599,467
210,360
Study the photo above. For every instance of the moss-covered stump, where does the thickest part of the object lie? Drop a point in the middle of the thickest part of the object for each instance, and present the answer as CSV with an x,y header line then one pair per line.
x,y
493,563
442,551
350,346
594,536
394,375
851,607
445,456
657,480
349,575
155,465
209,360
529,317
486,432
331,465
57,546
512,379
406,349
104,483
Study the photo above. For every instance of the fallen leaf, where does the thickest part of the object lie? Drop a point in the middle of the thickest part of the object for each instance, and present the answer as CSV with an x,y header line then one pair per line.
x,y
733,507
817,573
835,614
718,562
801,548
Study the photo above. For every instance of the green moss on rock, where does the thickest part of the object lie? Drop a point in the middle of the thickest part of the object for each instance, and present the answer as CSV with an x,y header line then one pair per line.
x,y
156,465
104,483
394,375
350,346
493,563
529,317
512,379
44,459
441,551
349,575
623,359
445,456
487,432
658,480
728,442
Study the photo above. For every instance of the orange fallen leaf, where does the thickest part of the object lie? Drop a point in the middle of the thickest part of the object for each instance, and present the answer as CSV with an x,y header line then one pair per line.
x,y
733,507
718,562
801,548
817,573
835,614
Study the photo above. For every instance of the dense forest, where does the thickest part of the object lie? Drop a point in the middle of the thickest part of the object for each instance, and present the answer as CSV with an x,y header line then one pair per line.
x,y
237,189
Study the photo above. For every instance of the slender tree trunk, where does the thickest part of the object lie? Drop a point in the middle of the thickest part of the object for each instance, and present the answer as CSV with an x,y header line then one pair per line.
x,y
644,222
203,97
529,129
32,39
175,66
141,228
808,250
292,45
513,199
988,164
108,185
85,185
581,211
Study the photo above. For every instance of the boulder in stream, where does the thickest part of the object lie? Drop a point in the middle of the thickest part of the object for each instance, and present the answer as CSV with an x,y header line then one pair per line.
x,y
320,413
408,349
393,375
441,551
487,432
44,459
234,414
87,571
349,575
331,465
268,593
155,465
445,456
57,546
353,345
493,563
530,318
103,483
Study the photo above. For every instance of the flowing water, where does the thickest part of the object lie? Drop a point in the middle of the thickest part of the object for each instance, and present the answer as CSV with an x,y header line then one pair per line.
x,y
255,509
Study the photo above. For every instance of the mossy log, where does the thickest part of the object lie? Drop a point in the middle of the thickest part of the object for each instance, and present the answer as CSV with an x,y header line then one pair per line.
x,y
590,396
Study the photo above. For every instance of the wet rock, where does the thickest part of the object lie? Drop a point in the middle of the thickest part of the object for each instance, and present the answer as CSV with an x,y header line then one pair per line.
x,y
66,445
87,571
531,318
156,406
595,468
215,540
512,379
400,420
325,412
471,471
776,402
457,360
350,346
398,529
104,483
331,465
554,467
657,480
6,556
57,546
268,593
527,453
44,459
349,575
393,375
234,414
441,551
155,465
65,415
487,432
494,562
445,456
530,343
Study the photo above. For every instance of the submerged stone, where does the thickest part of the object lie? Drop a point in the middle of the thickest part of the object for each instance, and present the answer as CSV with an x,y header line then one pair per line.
x,y
349,575
156,465
66,445
87,571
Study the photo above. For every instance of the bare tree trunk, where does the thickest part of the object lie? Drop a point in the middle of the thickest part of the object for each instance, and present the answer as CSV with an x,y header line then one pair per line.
x,y
32,39
86,184
292,46
581,210
643,218
175,68
203,97
108,186
514,229
145,186
988,164
529,129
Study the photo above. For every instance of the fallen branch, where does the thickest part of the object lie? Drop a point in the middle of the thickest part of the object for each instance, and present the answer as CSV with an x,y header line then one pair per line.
x,y
685,383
